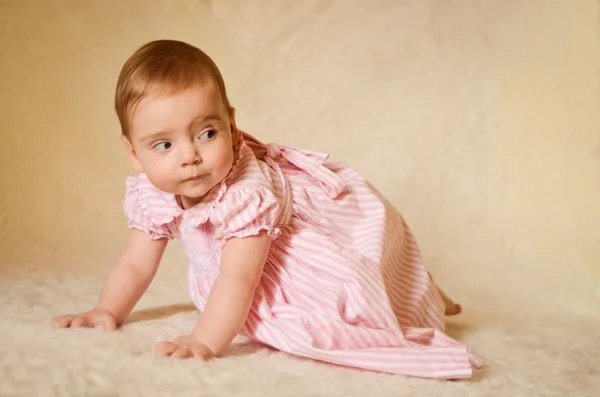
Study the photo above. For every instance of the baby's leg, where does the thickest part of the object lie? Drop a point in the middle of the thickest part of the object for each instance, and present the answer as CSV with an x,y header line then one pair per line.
x,y
452,308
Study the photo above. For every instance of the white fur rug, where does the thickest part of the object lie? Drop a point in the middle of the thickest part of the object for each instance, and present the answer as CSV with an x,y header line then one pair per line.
x,y
527,355
478,118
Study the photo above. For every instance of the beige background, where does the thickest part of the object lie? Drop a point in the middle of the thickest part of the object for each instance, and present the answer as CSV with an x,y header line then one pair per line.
x,y
482,127
478,119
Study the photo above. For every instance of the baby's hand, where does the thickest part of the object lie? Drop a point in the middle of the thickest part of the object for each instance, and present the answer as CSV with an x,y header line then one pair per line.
x,y
185,346
96,318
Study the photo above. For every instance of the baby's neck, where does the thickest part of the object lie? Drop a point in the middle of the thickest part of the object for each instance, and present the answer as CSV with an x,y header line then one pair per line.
x,y
186,203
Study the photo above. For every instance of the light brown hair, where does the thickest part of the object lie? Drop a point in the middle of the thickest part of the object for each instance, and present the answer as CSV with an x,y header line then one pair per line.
x,y
163,66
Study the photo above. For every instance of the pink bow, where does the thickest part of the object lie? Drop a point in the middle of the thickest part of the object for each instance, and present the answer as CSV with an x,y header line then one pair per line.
x,y
312,163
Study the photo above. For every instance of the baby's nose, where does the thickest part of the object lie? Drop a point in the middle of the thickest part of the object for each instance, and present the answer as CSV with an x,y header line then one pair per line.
x,y
190,156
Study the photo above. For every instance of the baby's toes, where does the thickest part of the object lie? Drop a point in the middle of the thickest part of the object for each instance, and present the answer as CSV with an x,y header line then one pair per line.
x,y
453,309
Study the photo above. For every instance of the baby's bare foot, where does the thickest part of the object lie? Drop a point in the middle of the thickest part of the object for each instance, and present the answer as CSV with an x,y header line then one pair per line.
x,y
452,308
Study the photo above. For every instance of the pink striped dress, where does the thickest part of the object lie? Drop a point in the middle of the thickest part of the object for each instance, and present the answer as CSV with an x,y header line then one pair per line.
x,y
344,281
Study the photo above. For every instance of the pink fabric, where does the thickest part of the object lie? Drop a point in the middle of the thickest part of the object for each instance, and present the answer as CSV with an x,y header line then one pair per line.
x,y
344,281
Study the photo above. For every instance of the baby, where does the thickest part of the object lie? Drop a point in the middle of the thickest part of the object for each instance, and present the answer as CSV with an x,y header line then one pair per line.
x,y
285,246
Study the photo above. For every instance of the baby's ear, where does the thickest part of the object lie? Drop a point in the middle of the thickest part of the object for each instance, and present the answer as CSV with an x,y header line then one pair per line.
x,y
235,138
235,134
232,123
135,163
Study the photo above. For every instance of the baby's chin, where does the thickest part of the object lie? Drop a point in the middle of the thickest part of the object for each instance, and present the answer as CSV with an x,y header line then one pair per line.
x,y
191,188
193,192
188,202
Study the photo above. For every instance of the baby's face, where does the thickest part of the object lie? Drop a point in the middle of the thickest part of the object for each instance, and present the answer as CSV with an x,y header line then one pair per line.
x,y
183,142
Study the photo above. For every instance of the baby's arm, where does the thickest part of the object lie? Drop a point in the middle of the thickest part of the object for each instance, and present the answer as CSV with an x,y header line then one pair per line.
x,y
230,299
124,285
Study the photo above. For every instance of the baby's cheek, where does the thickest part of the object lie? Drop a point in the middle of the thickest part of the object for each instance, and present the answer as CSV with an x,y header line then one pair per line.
x,y
161,180
227,160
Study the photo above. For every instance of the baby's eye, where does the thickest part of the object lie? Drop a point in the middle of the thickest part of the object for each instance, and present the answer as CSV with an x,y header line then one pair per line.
x,y
208,135
162,146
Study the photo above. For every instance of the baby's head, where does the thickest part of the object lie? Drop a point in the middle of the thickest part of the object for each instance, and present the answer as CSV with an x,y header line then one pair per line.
x,y
176,120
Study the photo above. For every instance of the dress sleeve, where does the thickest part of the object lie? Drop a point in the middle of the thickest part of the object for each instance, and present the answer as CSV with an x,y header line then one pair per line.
x,y
246,212
136,208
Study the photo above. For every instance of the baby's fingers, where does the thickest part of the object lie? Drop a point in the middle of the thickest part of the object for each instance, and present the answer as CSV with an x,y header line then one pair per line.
x,y
108,324
165,348
199,354
62,321
79,321
182,352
